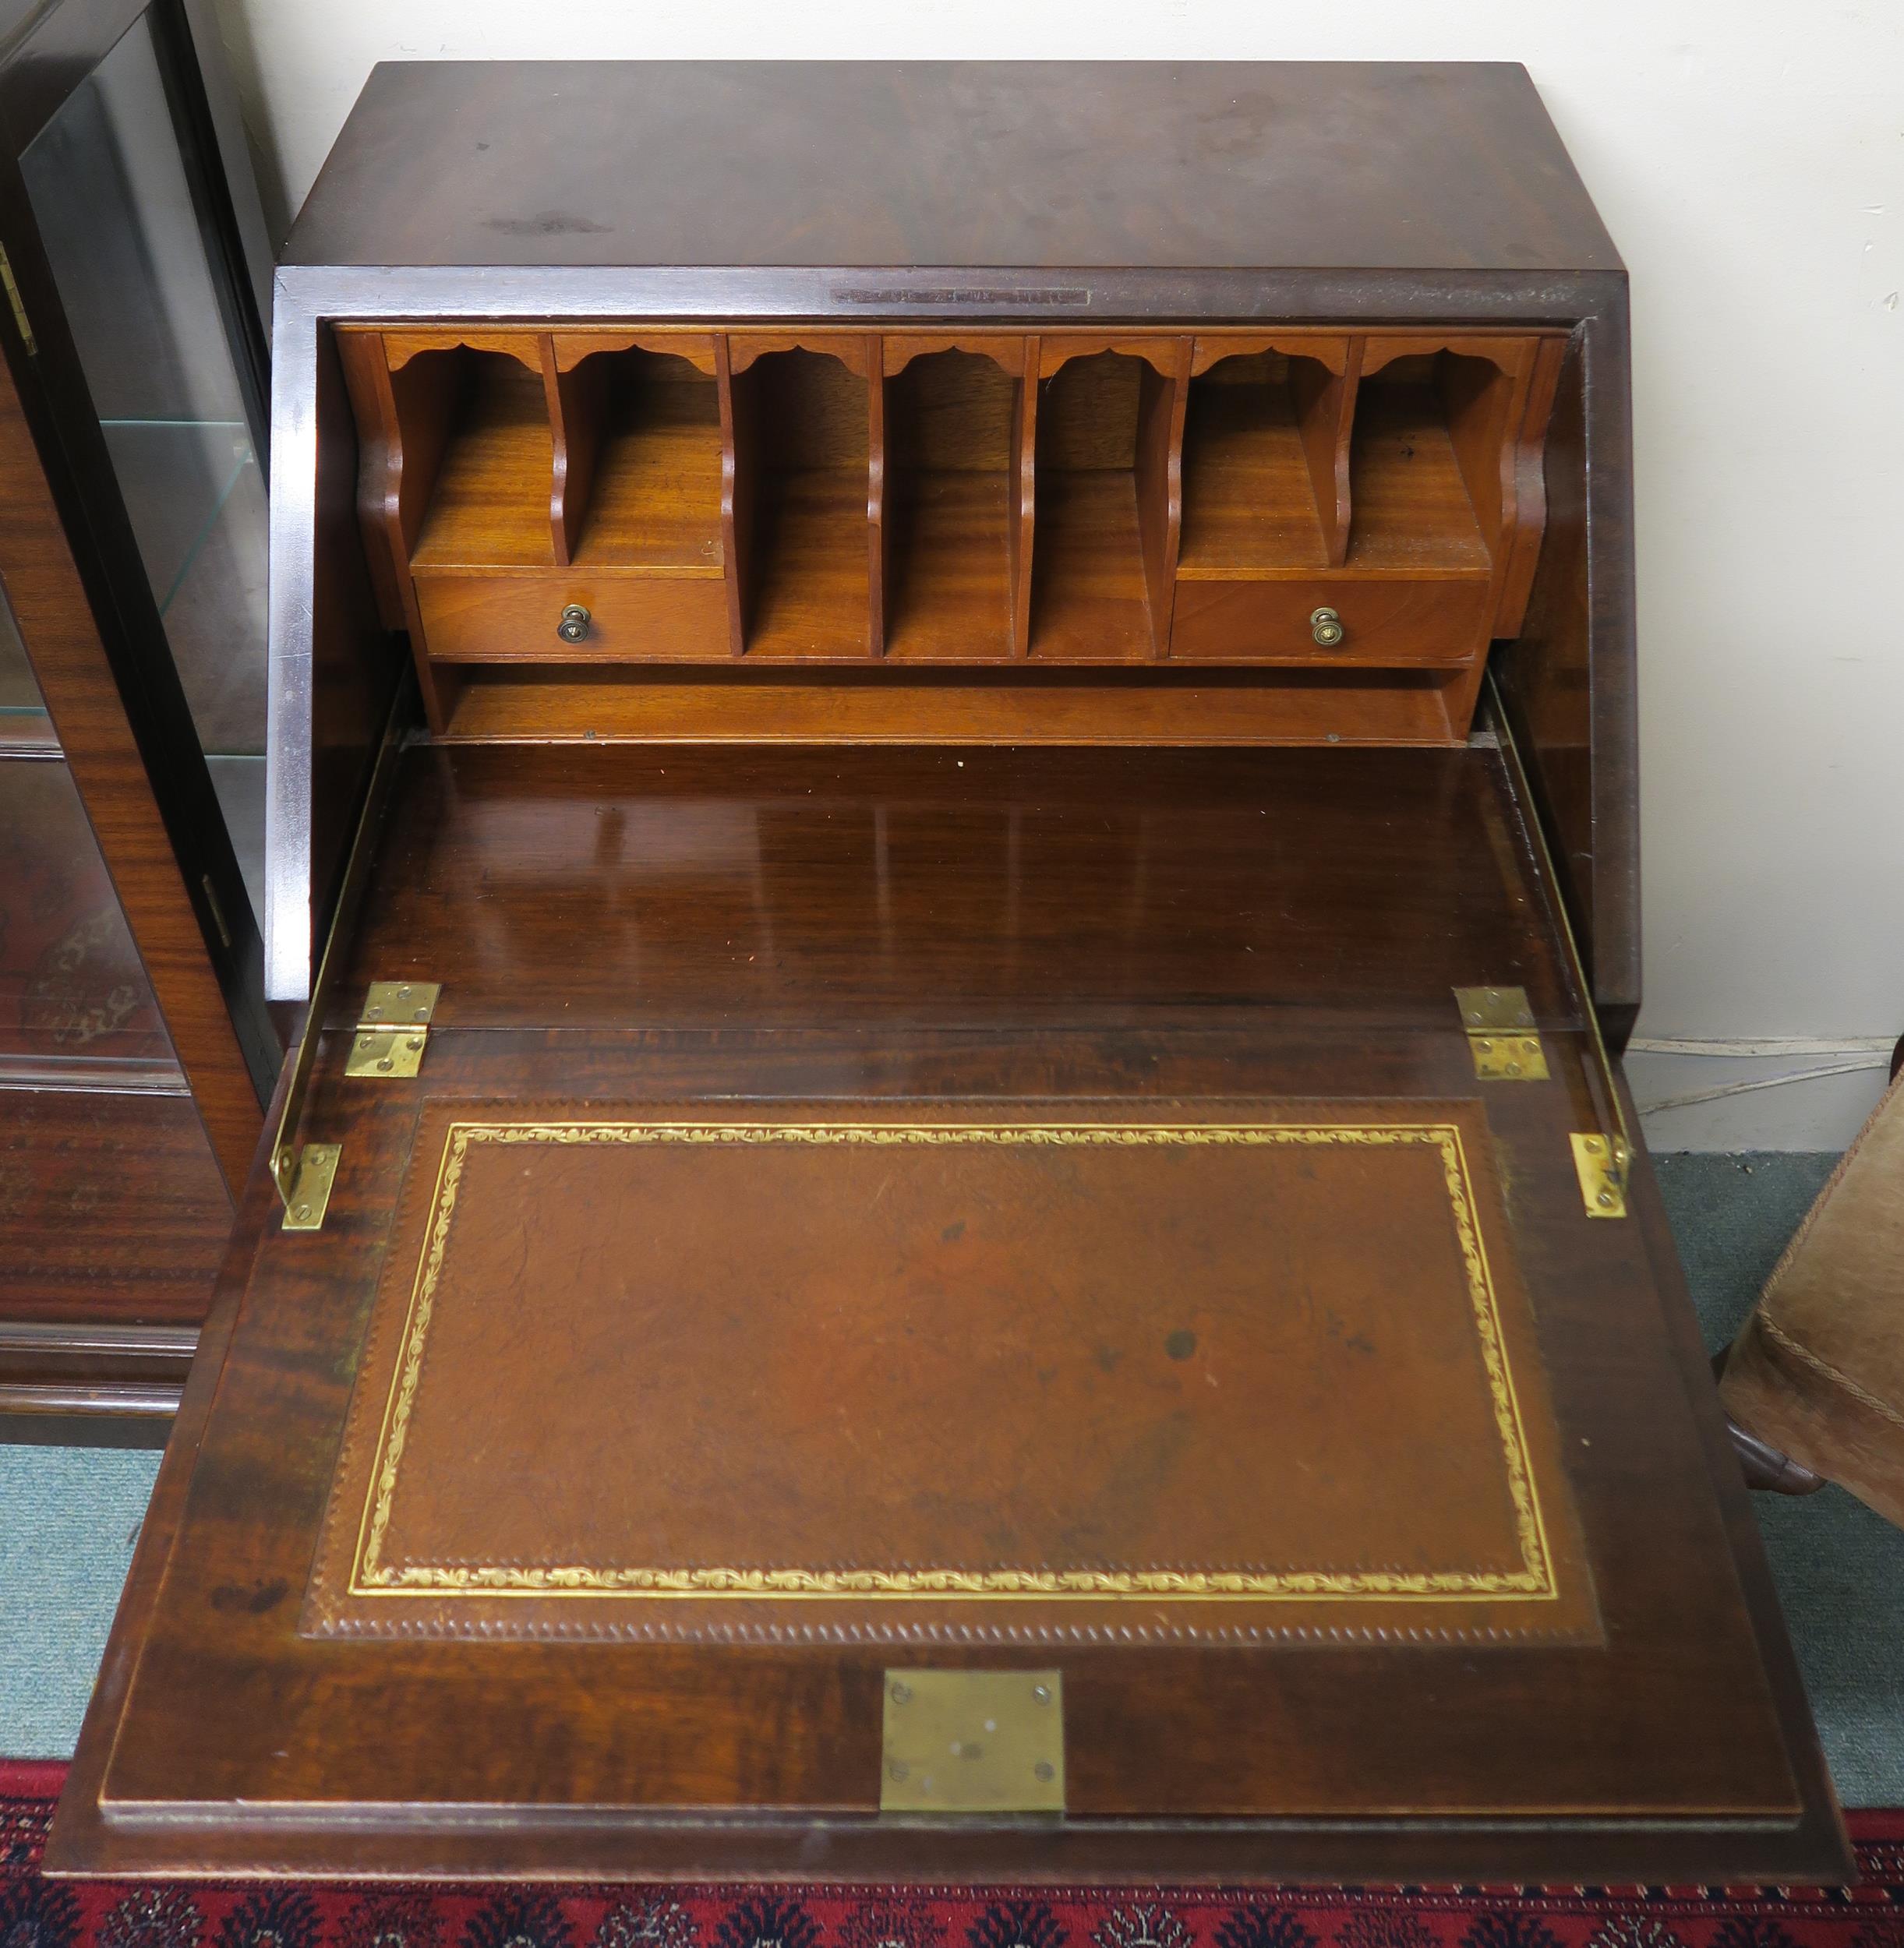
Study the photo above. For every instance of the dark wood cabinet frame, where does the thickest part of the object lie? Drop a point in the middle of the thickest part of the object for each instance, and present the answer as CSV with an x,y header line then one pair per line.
x,y
1569,680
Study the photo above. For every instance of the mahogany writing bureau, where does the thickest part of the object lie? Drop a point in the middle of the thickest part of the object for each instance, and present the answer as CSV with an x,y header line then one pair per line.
x,y
954,1207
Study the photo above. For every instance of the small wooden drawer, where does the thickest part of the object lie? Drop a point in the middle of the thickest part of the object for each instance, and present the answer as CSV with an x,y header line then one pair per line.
x,y
1385,623
631,618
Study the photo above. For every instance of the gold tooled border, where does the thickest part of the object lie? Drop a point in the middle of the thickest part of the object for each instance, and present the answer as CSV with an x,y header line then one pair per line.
x,y
371,1576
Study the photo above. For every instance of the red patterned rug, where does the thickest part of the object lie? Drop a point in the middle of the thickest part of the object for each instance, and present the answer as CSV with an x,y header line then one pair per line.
x,y
37,1913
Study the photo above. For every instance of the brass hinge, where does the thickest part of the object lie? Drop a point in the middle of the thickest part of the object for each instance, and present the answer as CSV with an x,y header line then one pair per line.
x,y
19,309
314,1170
216,909
1500,1034
973,1742
1602,1158
303,1173
1600,1163
393,1030
389,1040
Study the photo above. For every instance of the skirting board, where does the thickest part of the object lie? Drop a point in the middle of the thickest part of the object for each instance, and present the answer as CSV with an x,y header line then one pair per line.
x,y
1819,1112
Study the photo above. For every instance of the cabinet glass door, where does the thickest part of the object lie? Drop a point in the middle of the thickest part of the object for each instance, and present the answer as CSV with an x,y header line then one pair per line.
x,y
25,728
161,346
76,1011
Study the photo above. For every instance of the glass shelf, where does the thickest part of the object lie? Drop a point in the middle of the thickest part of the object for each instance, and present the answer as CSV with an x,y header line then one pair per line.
x,y
122,230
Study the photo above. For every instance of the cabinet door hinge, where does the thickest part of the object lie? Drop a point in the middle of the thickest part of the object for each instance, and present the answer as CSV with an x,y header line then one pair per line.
x,y
392,1031
308,1198
303,1174
20,309
1600,1163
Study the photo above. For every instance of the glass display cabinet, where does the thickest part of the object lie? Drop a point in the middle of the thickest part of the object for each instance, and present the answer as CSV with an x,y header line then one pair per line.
x,y
136,1049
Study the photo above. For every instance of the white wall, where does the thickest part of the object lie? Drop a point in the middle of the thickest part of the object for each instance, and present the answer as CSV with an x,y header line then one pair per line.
x,y
1748,156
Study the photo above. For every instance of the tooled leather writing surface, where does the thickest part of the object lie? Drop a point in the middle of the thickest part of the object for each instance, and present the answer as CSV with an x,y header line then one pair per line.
x,y
1029,1373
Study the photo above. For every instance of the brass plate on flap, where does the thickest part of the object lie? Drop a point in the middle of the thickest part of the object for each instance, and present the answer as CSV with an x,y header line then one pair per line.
x,y
310,1190
970,1741
393,1030
1500,1034
378,1052
1602,1180
1495,1011
400,1004
1508,1058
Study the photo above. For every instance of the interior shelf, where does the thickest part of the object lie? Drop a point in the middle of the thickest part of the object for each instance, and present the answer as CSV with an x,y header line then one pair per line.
x,y
653,502
1090,595
873,702
489,501
951,421
1411,510
802,463
1249,500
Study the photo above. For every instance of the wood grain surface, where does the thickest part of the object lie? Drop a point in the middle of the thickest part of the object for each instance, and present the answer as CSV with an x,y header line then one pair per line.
x,y
802,961
862,164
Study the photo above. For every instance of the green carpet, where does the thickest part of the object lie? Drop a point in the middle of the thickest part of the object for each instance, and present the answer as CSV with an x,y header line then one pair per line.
x,y
68,1518
1840,1569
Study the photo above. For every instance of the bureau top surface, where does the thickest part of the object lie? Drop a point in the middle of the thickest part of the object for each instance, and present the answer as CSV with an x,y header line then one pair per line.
x,y
1342,166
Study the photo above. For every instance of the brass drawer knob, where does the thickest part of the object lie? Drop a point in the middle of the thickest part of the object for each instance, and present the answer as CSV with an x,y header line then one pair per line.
x,y
1325,626
574,626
